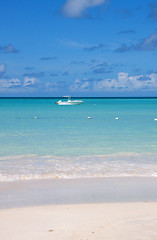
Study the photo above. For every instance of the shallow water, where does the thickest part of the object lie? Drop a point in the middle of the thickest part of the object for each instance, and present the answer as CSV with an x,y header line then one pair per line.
x,y
39,139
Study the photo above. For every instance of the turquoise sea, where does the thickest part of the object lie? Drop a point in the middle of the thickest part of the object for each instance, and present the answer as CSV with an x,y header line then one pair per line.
x,y
39,139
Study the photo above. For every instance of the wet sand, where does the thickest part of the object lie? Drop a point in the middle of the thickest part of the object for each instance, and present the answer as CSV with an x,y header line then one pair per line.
x,y
75,191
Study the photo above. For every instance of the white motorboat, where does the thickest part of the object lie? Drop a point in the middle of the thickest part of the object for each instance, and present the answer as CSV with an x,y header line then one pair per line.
x,y
69,102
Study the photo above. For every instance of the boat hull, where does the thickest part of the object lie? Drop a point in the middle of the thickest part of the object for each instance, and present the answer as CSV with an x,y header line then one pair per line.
x,y
69,102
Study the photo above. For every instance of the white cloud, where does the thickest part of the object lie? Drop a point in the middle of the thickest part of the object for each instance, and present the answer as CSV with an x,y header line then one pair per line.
x,y
147,44
17,85
150,43
77,81
84,85
8,49
2,68
153,77
28,82
10,83
55,86
126,82
80,85
76,8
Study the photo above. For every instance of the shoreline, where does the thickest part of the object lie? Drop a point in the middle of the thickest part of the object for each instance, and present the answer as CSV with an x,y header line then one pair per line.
x,y
34,167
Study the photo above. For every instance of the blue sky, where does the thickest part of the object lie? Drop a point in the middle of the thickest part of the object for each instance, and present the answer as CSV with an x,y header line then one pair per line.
x,y
78,47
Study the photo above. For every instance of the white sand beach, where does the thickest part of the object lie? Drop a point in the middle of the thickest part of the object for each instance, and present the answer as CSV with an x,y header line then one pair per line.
x,y
79,209
111,221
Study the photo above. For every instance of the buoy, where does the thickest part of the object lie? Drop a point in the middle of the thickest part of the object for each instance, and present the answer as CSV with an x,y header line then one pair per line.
x,y
35,117
116,118
89,118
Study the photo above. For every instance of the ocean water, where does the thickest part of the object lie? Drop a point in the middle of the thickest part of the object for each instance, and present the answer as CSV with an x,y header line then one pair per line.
x,y
39,139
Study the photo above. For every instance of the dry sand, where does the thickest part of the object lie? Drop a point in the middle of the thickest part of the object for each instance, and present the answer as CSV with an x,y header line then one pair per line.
x,y
79,209
106,221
